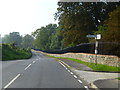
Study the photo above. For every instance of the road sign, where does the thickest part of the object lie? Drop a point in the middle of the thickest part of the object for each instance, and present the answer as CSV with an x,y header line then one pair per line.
x,y
98,36
91,36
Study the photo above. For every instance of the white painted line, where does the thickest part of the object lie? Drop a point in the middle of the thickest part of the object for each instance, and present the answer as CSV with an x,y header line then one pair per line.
x,y
34,61
62,64
12,81
86,87
27,66
65,64
79,81
71,73
68,70
75,76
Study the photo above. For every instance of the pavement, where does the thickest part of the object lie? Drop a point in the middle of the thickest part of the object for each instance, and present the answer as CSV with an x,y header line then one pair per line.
x,y
97,80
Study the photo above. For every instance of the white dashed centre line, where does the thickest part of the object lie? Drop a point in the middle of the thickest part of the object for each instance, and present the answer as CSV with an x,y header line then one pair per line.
x,y
27,66
79,81
12,81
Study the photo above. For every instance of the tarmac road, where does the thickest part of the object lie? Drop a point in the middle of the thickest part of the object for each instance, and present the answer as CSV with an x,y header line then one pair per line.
x,y
38,72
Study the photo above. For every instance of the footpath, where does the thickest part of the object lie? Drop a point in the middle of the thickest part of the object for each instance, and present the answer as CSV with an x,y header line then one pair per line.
x,y
97,80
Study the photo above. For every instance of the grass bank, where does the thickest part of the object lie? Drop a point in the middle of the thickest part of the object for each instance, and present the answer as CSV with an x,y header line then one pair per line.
x,y
10,52
98,67
118,78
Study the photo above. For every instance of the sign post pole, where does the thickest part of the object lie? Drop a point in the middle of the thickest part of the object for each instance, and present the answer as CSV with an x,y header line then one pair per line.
x,y
98,36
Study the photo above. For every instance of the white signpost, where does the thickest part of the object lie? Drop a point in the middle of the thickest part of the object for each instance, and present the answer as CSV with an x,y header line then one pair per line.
x,y
97,37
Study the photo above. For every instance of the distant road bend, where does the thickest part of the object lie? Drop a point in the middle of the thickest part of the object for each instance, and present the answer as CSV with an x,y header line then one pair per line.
x,y
38,72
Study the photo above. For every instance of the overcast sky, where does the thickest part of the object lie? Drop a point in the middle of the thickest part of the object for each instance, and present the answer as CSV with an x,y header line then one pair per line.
x,y
25,16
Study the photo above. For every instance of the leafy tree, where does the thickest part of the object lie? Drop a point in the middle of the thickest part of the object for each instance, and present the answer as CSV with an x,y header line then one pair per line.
x,y
56,40
13,37
77,19
42,36
27,41
112,34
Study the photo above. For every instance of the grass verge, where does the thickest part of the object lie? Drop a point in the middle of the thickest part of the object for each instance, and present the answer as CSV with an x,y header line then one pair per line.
x,y
12,53
98,67
118,78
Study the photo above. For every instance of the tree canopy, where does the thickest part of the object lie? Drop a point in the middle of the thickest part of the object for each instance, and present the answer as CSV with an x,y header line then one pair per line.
x,y
77,19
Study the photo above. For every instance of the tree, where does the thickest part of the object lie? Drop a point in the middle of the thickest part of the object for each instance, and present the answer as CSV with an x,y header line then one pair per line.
x,y
42,35
77,19
27,41
112,34
56,40
13,37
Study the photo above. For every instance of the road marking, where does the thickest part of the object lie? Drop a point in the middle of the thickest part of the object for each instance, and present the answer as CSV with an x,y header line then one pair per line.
x,y
68,70
86,87
34,61
27,66
75,76
71,73
79,81
12,81
62,64
65,64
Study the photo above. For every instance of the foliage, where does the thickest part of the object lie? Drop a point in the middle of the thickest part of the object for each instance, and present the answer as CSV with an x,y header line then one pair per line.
x,y
27,41
77,19
11,53
18,40
112,34
47,38
13,37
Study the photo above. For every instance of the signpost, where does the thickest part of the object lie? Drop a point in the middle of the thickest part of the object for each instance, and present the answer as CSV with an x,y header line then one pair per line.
x,y
97,37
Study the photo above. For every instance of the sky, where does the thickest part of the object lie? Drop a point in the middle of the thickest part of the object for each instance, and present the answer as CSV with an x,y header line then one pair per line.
x,y
25,16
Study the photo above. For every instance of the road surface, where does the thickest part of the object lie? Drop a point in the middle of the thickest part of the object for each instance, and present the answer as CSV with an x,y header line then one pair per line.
x,y
38,72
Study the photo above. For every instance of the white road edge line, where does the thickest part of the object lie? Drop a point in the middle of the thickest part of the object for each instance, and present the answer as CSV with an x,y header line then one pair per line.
x,y
27,66
75,76
79,81
68,70
12,81
86,87
62,64
71,73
